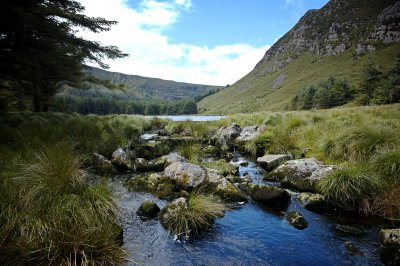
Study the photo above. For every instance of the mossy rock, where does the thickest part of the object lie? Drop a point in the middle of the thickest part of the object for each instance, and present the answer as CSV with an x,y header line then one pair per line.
x,y
148,210
271,196
154,183
312,201
224,168
297,220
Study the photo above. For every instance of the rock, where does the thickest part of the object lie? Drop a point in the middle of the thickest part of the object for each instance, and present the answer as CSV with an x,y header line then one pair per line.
x,y
120,160
225,136
141,165
297,220
185,175
148,209
302,174
351,249
217,184
172,209
271,196
351,230
161,186
238,179
390,243
186,132
173,158
102,165
312,202
244,164
249,133
270,161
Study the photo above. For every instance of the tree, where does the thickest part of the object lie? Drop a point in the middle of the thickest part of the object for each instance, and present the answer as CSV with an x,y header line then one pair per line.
x,y
39,49
372,80
393,88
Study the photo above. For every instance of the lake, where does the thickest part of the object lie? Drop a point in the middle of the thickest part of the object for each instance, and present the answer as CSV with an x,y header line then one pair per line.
x,y
195,118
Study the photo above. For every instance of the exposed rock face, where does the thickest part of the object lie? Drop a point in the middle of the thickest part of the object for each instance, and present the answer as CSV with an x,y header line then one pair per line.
x,y
186,175
225,136
277,82
121,160
271,196
312,202
249,133
301,174
148,209
390,240
270,161
297,220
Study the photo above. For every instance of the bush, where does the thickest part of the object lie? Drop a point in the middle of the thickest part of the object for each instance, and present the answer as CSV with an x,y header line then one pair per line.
x,y
387,164
350,186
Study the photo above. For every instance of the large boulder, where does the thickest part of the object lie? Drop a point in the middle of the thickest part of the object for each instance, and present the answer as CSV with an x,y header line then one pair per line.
x,y
217,184
161,186
270,161
249,133
272,196
302,174
297,220
103,165
185,175
390,241
160,163
312,201
121,160
148,210
225,136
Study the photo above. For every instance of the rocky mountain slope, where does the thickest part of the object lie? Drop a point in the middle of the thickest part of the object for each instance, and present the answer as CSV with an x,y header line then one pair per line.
x,y
339,39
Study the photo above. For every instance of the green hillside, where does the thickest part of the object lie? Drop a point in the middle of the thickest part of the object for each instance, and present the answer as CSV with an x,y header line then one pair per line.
x,y
340,40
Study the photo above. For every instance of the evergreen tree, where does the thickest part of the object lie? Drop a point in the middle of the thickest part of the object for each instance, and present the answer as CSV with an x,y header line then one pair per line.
x,y
372,81
39,51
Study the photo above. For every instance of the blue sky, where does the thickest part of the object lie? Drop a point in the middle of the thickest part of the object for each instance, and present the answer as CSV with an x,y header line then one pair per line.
x,y
212,42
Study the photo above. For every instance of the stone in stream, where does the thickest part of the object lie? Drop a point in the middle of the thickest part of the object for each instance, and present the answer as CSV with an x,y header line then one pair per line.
x,y
141,165
351,249
185,175
121,160
102,165
225,136
219,185
148,209
249,133
312,201
390,246
270,161
302,174
172,209
297,220
271,196
351,230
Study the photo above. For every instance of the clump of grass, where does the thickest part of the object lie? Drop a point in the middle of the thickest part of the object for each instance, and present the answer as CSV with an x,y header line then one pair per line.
x,y
223,167
359,144
387,164
191,150
58,217
386,205
199,214
350,186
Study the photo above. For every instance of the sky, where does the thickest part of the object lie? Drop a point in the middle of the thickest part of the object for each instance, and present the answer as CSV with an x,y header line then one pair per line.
x,y
213,42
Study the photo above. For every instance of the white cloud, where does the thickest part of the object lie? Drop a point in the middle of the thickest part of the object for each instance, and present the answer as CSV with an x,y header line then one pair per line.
x,y
140,32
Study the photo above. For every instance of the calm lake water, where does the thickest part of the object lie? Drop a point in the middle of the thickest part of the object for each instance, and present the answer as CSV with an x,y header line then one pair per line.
x,y
249,235
196,118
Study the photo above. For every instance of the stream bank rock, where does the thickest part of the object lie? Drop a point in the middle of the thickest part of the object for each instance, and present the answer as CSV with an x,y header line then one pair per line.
x,y
350,230
390,243
297,220
312,201
121,160
249,133
172,209
103,165
219,185
271,196
148,210
270,161
225,136
185,175
302,174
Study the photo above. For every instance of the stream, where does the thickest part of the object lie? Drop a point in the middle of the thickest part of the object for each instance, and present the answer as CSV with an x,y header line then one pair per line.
x,y
250,234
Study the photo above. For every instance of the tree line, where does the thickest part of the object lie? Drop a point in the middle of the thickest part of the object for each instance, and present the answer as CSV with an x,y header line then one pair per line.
x,y
377,87
104,106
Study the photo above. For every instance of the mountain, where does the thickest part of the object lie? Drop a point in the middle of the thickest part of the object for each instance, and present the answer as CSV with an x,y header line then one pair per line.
x,y
137,87
340,40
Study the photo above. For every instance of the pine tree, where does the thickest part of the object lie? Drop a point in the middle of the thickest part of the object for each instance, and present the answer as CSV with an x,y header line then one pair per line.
x,y
372,81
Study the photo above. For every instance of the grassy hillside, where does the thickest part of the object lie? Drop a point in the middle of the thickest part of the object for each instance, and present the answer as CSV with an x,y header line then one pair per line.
x,y
254,93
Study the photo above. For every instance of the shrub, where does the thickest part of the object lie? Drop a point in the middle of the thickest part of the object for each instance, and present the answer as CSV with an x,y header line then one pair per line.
x,y
387,164
387,204
349,186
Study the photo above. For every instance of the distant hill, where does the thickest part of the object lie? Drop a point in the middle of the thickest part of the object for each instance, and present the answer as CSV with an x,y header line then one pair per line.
x,y
137,87
339,39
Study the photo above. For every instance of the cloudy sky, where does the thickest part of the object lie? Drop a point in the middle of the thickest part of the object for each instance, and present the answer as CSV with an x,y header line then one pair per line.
x,y
213,42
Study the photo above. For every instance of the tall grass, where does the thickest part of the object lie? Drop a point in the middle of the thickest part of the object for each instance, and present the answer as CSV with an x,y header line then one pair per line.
x,y
58,218
200,212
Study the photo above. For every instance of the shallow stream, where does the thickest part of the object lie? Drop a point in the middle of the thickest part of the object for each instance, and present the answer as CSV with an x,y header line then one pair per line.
x,y
248,235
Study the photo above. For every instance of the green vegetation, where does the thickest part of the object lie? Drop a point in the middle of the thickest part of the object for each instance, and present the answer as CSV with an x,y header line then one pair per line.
x,y
50,213
199,214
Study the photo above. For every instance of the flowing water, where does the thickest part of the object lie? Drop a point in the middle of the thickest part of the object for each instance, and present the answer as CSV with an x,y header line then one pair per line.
x,y
248,235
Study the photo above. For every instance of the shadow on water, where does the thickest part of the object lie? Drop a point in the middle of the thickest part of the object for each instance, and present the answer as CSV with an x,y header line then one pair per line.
x,y
251,234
